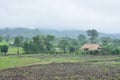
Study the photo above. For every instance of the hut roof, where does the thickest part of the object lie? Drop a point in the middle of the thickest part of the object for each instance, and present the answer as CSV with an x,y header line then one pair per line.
x,y
91,46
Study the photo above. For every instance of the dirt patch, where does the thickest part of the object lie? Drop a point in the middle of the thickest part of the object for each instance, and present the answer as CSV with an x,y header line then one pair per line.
x,y
61,71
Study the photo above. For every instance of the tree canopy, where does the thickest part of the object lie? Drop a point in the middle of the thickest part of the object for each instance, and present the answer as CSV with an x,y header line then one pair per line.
x,y
4,49
93,34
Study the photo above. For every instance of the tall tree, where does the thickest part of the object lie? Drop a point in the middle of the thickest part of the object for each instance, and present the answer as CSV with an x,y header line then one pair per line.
x,y
38,43
63,44
48,42
18,42
73,45
93,35
26,47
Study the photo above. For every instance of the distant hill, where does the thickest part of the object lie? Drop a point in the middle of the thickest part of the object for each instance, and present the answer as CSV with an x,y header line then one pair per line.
x,y
63,33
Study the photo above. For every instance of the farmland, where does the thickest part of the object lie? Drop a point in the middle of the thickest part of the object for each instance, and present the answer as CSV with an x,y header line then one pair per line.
x,y
59,67
59,40
49,57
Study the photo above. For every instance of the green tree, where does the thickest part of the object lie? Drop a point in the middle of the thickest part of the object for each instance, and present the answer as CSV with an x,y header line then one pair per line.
x,y
106,40
63,44
4,49
48,42
93,35
73,45
36,39
26,47
18,41
116,42
72,49
38,44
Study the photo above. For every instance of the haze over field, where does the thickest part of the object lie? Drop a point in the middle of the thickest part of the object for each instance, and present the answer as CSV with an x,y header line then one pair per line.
x,y
103,15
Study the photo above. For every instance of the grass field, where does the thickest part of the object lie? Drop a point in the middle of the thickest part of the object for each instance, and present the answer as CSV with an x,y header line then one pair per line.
x,y
12,49
59,67
23,59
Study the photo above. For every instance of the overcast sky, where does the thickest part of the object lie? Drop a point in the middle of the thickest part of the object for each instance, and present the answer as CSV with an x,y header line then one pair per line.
x,y
103,15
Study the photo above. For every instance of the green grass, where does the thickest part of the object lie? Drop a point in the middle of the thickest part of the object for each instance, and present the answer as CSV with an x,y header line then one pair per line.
x,y
13,50
31,59
14,61
4,43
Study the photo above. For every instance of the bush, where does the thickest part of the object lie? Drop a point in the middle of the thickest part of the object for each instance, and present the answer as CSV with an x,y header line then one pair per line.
x,y
4,49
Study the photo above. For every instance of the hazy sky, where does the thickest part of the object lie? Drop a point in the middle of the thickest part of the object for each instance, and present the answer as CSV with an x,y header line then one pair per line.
x,y
103,15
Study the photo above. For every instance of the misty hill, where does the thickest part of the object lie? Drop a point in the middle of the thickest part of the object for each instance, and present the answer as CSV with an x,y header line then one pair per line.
x,y
65,33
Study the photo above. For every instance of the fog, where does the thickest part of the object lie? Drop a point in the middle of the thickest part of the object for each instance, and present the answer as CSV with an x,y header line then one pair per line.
x,y
103,15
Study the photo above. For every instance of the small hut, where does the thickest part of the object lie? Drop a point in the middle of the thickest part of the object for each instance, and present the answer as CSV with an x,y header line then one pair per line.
x,y
91,47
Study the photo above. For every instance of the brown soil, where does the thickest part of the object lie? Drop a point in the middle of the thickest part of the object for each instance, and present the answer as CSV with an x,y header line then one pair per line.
x,y
61,71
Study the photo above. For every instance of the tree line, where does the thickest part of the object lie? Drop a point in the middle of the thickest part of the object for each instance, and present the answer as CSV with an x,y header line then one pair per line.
x,y
53,45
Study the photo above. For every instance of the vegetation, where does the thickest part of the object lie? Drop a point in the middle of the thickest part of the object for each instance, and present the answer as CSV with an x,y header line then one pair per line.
x,y
64,53
52,44
18,41
82,39
39,44
11,61
93,35
1,38
29,33
4,49
63,44
65,67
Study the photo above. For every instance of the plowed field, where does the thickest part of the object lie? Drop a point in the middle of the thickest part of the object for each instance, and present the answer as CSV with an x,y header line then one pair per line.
x,y
62,71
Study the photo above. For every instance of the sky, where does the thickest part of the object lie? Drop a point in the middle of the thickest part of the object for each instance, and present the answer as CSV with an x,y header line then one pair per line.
x,y
103,15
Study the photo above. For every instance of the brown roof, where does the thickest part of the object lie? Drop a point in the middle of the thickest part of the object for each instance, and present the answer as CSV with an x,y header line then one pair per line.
x,y
91,46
